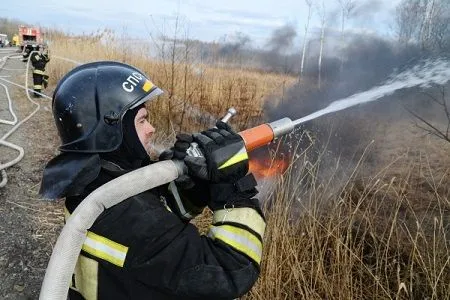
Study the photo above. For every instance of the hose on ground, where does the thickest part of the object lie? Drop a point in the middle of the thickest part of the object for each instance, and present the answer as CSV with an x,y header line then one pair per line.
x,y
3,141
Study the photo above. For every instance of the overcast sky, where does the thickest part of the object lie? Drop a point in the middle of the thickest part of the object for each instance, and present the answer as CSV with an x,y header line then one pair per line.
x,y
203,19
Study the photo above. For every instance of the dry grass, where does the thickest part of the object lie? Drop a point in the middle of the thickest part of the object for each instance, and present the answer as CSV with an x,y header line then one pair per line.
x,y
383,236
195,95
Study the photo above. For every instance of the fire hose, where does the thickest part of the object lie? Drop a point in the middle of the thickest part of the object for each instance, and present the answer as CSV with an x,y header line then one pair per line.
x,y
4,178
3,141
69,243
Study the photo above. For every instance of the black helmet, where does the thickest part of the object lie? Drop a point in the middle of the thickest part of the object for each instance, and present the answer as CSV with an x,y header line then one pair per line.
x,y
90,101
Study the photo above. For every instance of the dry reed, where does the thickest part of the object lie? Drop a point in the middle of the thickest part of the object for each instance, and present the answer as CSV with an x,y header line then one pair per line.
x,y
380,237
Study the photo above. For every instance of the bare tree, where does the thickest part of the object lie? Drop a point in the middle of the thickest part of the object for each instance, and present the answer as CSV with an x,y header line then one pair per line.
x,y
305,39
440,131
439,26
407,17
186,77
323,18
347,7
425,22
9,26
173,56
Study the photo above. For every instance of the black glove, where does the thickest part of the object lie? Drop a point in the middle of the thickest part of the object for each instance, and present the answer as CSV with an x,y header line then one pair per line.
x,y
225,157
178,151
225,165
194,193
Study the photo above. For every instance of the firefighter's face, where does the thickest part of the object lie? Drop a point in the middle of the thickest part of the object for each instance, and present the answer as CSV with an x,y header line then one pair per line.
x,y
144,129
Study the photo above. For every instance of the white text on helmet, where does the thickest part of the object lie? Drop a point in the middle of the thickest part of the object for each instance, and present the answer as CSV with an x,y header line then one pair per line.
x,y
132,81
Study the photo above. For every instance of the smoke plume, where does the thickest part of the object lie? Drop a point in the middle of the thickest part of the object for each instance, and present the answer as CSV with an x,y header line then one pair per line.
x,y
282,39
344,136
277,57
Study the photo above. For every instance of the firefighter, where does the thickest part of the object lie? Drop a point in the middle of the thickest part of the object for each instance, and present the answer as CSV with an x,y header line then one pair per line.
x,y
142,248
39,60
26,53
15,40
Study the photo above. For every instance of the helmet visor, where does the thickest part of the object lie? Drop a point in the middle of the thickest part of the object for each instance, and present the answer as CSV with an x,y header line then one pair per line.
x,y
153,94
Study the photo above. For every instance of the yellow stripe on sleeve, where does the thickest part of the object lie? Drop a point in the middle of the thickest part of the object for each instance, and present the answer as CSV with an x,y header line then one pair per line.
x,y
242,215
240,239
105,249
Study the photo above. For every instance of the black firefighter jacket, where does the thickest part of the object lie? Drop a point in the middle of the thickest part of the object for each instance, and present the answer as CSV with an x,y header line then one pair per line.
x,y
39,61
139,249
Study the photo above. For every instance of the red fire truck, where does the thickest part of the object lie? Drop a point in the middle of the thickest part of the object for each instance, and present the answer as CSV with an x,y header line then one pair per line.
x,y
29,37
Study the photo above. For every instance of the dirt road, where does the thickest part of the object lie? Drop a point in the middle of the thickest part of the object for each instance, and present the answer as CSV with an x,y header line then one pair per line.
x,y
28,223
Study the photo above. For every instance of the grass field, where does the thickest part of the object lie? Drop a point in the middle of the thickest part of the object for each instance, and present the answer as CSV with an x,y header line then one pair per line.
x,y
382,232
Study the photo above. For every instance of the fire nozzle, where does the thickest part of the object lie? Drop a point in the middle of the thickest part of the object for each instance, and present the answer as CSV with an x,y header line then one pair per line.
x,y
255,137
264,134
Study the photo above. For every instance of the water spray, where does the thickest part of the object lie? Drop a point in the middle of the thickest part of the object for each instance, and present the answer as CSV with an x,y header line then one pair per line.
x,y
429,73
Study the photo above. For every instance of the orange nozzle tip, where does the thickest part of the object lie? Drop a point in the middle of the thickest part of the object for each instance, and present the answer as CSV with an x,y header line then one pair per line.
x,y
257,136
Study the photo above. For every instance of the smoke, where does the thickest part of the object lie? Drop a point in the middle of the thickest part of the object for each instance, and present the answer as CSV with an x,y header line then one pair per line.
x,y
366,12
282,39
234,44
343,137
278,55
362,13
368,60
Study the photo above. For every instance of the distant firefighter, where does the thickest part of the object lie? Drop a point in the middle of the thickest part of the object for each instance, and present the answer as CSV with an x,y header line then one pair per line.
x,y
26,54
15,40
40,79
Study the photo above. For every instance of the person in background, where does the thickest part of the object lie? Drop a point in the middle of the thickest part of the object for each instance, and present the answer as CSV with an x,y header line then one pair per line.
x,y
26,53
15,40
39,60
144,247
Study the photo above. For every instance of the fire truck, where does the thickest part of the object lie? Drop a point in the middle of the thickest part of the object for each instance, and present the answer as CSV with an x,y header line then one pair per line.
x,y
29,37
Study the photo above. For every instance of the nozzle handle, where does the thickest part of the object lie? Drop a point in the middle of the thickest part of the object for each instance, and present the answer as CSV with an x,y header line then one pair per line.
x,y
230,113
194,150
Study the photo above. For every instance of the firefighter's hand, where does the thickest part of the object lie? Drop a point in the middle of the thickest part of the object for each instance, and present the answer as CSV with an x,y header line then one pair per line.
x,y
192,190
178,151
225,157
224,165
